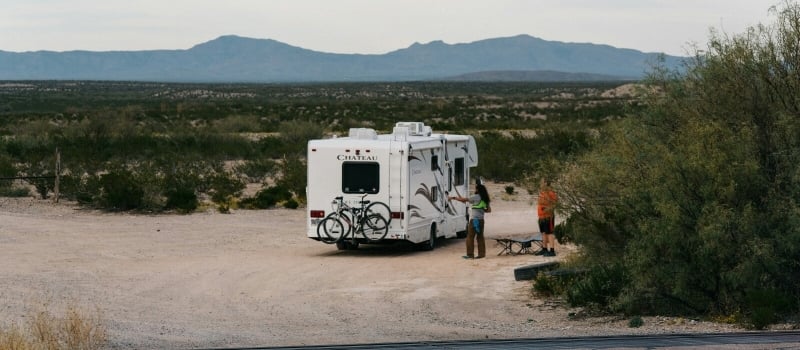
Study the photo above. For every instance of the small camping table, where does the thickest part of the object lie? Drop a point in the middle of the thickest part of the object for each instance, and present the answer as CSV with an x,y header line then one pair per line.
x,y
521,245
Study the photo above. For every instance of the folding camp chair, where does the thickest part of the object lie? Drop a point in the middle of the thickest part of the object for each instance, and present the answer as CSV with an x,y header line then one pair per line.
x,y
515,246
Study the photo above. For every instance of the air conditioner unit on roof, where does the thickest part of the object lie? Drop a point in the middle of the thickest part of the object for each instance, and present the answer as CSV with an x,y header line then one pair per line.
x,y
416,128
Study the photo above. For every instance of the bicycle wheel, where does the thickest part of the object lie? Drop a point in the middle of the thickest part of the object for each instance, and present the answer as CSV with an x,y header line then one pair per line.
x,y
379,208
374,228
330,230
346,218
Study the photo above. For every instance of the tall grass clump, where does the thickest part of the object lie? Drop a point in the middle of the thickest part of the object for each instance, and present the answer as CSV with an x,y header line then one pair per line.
x,y
75,330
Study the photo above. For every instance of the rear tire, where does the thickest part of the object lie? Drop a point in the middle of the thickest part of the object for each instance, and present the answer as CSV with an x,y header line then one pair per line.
x,y
346,245
431,243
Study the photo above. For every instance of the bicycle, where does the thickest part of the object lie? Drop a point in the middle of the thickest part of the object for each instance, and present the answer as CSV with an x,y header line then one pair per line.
x,y
371,220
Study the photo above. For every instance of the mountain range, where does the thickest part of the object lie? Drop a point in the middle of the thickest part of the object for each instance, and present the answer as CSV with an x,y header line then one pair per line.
x,y
238,59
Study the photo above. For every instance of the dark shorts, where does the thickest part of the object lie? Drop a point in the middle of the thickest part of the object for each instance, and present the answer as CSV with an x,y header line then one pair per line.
x,y
546,225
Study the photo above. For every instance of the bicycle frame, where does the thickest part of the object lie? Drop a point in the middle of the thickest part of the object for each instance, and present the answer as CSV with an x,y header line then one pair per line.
x,y
371,225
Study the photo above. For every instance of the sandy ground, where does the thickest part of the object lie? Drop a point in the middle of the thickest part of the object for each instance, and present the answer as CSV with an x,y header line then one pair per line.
x,y
252,278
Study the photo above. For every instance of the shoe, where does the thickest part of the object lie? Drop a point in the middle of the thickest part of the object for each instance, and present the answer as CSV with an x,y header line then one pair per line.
x,y
541,252
550,253
479,257
467,257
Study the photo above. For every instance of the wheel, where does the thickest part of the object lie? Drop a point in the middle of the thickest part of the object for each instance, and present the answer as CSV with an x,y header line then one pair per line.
x,y
346,219
431,243
461,234
374,228
379,208
346,245
330,230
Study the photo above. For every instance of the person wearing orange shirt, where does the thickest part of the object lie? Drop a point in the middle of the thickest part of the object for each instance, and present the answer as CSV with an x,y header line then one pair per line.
x,y
545,210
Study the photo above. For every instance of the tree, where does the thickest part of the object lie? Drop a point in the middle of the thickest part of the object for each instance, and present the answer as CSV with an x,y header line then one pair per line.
x,y
697,199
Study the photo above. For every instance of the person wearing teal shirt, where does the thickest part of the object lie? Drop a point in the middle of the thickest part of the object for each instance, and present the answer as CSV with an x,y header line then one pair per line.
x,y
479,203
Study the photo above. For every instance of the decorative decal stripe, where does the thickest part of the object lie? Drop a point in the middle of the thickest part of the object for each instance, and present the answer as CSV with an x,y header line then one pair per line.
x,y
414,212
426,193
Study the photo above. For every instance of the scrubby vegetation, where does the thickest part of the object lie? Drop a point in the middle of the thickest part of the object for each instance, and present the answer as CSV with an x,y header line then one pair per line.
x,y
693,207
75,330
178,147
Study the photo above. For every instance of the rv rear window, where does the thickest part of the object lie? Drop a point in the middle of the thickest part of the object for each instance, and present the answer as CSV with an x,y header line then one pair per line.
x,y
360,177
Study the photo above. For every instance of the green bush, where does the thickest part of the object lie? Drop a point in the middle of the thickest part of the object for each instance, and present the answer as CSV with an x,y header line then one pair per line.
x,y
597,287
224,186
83,189
121,191
545,286
291,204
293,176
257,170
767,306
183,199
562,232
635,322
13,191
694,202
267,198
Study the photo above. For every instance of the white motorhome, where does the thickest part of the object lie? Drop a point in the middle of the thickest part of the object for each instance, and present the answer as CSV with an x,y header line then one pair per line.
x,y
412,170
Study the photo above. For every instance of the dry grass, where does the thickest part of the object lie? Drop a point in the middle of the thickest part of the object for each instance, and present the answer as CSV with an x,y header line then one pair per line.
x,y
76,330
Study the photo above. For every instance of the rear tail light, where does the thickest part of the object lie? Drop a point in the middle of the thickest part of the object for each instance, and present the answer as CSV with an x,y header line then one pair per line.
x,y
398,215
317,213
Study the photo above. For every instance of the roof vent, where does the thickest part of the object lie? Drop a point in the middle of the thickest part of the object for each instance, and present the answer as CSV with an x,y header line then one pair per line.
x,y
415,128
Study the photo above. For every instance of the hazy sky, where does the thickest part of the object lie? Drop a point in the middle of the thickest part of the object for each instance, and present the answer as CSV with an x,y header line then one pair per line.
x,y
368,26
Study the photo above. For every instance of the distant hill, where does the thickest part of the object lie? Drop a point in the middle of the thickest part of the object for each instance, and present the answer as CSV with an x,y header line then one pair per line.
x,y
535,76
237,59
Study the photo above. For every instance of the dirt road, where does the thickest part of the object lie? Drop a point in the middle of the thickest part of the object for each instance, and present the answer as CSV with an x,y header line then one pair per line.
x,y
252,278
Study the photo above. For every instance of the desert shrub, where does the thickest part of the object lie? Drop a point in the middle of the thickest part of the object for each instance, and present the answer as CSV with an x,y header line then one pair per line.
x,y
697,196
223,186
7,167
237,124
509,189
563,232
291,204
296,134
293,176
8,190
524,156
267,198
256,170
120,190
635,322
181,198
83,189
767,306
545,286
695,200
597,287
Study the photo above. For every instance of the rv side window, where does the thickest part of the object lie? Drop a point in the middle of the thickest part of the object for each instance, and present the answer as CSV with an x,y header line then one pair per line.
x,y
450,176
459,165
360,177
435,163
435,193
